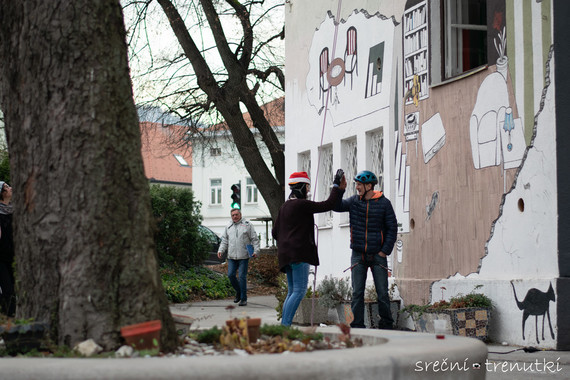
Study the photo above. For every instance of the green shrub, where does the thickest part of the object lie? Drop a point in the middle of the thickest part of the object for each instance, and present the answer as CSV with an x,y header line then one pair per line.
x,y
333,291
181,285
210,336
177,214
289,332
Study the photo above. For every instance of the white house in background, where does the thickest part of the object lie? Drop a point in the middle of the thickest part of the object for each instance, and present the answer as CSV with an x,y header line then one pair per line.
x,y
217,165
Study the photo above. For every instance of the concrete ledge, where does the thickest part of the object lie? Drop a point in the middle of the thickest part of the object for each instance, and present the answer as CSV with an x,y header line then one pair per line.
x,y
396,355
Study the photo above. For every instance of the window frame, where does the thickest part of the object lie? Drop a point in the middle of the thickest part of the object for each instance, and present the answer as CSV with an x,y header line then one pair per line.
x,y
215,192
251,191
181,160
448,52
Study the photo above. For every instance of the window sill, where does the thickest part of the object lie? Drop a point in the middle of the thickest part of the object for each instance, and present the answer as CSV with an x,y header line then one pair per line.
x,y
344,225
460,76
325,227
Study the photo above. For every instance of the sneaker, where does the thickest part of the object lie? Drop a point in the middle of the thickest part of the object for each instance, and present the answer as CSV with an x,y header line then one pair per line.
x,y
243,303
237,299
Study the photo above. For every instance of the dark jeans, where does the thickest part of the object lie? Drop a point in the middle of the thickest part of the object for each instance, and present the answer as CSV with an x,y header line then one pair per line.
x,y
8,296
380,275
239,266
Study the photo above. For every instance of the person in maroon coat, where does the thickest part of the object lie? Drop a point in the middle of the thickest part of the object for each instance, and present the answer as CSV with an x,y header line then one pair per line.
x,y
294,232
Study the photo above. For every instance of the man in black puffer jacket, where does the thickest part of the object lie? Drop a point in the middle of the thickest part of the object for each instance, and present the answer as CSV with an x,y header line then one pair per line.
x,y
373,232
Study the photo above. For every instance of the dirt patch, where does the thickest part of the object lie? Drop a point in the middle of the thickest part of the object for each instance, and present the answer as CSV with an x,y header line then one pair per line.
x,y
261,276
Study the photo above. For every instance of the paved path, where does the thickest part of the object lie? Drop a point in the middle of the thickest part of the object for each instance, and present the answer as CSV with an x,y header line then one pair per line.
x,y
503,361
215,313
325,365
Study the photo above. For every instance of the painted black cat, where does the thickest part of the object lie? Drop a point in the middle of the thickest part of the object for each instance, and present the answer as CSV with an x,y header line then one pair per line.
x,y
536,302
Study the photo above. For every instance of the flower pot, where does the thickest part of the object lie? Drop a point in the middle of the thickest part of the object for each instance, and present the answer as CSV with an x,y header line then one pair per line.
x,y
182,324
303,313
470,322
20,339
373,320
502,66
143,336
253,325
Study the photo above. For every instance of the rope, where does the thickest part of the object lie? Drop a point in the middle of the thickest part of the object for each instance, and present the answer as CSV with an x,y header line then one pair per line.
x,y
336,21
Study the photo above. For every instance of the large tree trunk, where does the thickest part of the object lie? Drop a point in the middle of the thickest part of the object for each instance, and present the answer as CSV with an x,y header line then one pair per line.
x,y
84,243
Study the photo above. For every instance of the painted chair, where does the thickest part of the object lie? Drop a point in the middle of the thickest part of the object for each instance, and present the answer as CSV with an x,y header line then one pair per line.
x,y
351,54
323,69
489,111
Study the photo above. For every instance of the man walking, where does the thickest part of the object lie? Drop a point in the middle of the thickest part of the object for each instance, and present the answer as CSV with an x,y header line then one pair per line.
x,y
374,229
237,236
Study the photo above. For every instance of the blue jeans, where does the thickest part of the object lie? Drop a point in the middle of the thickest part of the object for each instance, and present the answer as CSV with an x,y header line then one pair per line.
x,y
297,281
239,266
380,275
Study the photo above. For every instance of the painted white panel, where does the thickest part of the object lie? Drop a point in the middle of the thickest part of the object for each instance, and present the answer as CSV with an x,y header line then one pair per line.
x,y
538,79
407,191
518,57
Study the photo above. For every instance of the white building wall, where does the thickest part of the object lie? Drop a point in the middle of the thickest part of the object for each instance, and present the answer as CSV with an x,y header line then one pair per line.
x,y
353,109
229,167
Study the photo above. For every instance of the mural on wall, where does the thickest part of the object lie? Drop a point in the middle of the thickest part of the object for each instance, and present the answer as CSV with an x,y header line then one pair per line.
x,y
348,61
402,179
374,75
412,126
431,206
487,165
416,56
433,136
496,136
536,303
522,244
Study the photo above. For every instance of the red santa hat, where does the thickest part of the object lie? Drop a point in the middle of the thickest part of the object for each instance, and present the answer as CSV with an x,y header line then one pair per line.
x,y
299,177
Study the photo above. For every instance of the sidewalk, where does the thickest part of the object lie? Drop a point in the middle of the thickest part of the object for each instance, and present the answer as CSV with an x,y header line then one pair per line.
x,y
208,314
393,354
504,362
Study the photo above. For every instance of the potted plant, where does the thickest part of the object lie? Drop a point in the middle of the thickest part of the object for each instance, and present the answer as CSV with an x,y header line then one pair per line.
x,y
22,336
309,310
335,293
371,316
240,332
464,315
143,336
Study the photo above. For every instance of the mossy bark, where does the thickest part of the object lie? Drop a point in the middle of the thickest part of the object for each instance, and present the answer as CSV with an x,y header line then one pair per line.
x,y
85,254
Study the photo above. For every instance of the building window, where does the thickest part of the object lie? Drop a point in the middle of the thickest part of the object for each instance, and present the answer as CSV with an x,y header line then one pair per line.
x,y
216,191
375,145
325,181
304,162
251,190
215,152
348,150
181,160
465,35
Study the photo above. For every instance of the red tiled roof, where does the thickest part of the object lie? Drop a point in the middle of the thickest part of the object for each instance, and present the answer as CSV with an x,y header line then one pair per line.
x,y
159,145
274,112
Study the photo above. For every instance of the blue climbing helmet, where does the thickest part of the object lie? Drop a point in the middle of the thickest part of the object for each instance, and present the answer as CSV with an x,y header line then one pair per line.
x,y
366,176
